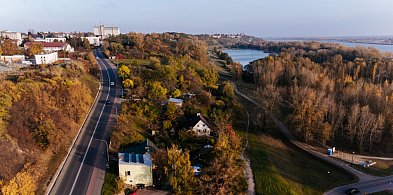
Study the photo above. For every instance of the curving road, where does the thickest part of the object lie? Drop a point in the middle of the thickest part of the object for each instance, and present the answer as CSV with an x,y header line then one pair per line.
x,y
87,155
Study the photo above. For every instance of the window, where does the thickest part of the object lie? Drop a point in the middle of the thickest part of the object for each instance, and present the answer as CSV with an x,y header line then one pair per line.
x,y
128,173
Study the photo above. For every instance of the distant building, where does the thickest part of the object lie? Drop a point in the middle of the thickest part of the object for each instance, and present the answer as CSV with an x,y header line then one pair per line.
x,y
53,46
46,58
50,40
96,41
105,31
13,59
17,36
201,126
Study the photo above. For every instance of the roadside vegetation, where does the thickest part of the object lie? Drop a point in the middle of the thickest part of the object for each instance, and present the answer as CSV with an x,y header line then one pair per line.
x,y
40,113
155,67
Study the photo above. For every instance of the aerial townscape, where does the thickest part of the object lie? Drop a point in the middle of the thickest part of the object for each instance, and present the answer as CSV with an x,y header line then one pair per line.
x,y
196,97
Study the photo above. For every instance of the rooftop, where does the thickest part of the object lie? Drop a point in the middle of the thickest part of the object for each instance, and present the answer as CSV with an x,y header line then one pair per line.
x,y
175,100
48,44
134,159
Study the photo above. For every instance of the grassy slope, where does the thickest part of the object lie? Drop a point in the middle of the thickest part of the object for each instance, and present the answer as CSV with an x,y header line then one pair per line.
x,y
280,168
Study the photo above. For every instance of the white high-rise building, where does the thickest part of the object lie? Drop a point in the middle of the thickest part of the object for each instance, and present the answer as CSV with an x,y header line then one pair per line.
x,y
104,31
17,36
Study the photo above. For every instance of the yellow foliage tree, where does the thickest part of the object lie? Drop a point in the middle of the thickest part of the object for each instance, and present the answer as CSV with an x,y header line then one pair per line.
x,y
21,184
36,48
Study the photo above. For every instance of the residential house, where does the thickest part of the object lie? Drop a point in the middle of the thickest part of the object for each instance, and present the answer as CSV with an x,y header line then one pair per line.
x,y
201,126
136,169
177,102
50,47
135,164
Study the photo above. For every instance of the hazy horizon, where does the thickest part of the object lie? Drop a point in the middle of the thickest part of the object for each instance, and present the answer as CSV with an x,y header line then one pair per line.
x,y
263,18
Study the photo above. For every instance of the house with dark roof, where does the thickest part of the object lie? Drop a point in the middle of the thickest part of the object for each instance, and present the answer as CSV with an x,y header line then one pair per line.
x,y
136,164
201,126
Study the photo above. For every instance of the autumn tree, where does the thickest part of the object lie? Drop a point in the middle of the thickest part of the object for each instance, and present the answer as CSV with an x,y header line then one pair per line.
x,y
180,173
22,184
128,83
9,47
86,44
35,48
224,178
156,91
124,71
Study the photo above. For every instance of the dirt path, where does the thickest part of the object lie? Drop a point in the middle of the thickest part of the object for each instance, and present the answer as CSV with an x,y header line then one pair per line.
x,y
224,74
247,168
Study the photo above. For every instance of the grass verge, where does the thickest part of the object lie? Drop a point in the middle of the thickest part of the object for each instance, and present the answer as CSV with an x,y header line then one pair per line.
x,y
110,184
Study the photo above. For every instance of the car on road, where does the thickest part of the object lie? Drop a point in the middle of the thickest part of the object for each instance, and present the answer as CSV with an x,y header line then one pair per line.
x,y
352,191
108,102
112,83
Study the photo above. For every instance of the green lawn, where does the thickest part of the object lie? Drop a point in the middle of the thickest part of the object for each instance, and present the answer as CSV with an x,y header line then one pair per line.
x,y
130,61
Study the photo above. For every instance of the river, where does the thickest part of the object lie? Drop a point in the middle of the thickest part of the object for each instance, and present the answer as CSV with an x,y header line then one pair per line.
x,y
382,48
245,56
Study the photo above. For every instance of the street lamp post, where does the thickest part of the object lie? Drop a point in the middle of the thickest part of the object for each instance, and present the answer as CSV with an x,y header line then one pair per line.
x,y
107,148
328,177
115,110
353,154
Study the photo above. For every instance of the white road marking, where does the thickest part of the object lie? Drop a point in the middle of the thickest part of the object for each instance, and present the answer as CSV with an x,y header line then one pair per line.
x,y
91,139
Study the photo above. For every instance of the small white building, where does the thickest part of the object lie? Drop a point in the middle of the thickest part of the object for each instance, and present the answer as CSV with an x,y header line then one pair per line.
x,y
200,126
96,41
13,59
177,102
136,169
46,58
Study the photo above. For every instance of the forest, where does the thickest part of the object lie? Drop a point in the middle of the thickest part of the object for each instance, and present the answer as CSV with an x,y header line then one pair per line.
x,y
327,93
41,111
154,67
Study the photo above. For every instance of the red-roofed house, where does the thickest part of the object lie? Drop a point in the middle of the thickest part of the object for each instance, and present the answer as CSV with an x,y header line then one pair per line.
x,y
53,46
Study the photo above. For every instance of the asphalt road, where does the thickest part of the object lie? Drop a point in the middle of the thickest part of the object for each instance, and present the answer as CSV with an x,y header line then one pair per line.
x,y
366,187
89,151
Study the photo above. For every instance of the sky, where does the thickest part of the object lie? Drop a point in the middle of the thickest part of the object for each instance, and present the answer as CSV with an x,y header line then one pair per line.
x,y
262,18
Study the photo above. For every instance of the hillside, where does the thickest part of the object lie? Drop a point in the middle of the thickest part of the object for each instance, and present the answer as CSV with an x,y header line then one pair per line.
x,y
40,114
